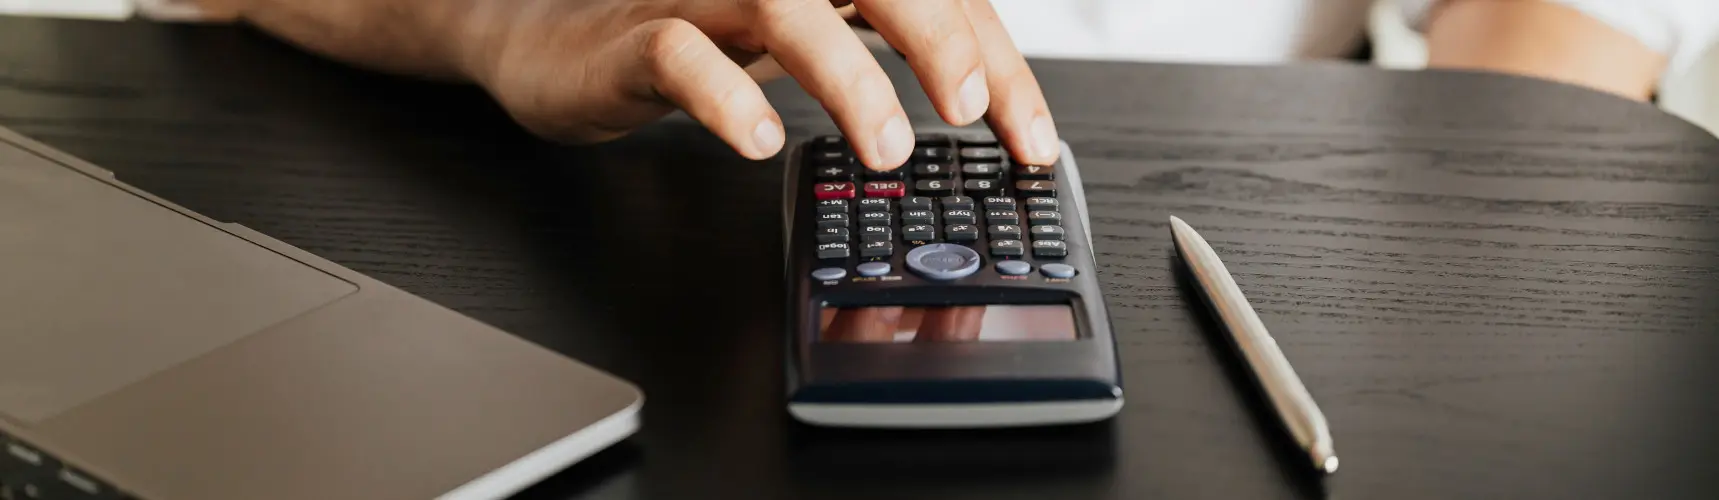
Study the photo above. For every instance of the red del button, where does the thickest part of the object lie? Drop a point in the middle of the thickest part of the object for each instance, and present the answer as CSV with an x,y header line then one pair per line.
x,y
834,190
885,189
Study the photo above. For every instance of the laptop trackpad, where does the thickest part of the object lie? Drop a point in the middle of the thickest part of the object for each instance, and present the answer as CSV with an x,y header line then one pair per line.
x,y
100,288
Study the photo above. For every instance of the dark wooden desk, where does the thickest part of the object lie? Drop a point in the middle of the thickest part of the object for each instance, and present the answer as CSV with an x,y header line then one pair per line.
x,y
1497,288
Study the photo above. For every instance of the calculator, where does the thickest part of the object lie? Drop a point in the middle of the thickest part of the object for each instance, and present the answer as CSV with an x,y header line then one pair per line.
x,y
957,290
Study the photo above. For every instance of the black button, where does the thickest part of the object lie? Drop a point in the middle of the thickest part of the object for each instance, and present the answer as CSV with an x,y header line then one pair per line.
x,y
832,206
895,174
1041,172
1005,232
842,218
879,249
1007,248
983,187
933,170
1043,217
873,204
960,217
961,232
999,203
957,203
1036,188
933,154
832,158
1047,232
916,203
1041,203
830,142
1050,248
874,233
833,173
977,139
918,232
832,234
918,217
1002,217
833,250
981,154
874,218
982,170
934,187
931,139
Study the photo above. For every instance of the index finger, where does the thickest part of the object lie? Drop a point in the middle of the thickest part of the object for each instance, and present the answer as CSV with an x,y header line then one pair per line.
x,y
815,45
1018,112
939,44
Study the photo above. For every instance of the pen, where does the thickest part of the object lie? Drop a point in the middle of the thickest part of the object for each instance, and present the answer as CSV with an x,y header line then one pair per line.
x,y
1295,407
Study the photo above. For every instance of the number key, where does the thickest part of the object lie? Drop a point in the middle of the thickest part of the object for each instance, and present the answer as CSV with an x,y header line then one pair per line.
x,y
981,170
981,154
1036,188
1041,172
933,154
983,187
931,187
932,170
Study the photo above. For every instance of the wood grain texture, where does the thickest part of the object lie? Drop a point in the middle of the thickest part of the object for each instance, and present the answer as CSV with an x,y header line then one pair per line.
x,y
1496,288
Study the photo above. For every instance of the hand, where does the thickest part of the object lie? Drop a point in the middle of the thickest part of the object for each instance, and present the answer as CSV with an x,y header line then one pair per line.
x,y
592,70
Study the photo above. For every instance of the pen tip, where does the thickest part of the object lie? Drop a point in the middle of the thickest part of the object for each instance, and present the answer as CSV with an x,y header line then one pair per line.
x,y
1325,463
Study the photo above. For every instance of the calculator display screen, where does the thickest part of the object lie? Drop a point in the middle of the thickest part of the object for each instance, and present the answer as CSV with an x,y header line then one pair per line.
x,y
1001,323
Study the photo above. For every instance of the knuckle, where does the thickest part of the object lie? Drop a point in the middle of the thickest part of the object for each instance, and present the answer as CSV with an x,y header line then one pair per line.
x,y
666,39
774,12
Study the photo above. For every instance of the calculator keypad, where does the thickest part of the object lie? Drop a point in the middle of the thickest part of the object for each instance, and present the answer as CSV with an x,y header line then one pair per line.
x,y
961,190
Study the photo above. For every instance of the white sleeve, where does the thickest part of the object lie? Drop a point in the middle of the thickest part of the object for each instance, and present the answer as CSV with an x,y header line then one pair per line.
x,y
1682,30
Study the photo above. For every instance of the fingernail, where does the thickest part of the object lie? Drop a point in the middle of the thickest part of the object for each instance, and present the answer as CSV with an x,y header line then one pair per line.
x,y
1044,138
974,97
767,137
894,142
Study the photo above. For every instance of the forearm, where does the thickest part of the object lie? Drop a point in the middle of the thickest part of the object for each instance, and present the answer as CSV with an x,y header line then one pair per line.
x,y
430,38
1544,40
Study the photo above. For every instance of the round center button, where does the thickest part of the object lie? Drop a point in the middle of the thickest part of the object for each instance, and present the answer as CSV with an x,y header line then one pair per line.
x,y
943,261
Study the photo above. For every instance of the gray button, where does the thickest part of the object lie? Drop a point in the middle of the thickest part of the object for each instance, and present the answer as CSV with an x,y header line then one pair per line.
x,y
873,269
1057,270
943,261
829,273
1014,267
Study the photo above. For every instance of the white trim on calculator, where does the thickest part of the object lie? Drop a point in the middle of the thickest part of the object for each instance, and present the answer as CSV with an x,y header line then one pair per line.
x,y
932,416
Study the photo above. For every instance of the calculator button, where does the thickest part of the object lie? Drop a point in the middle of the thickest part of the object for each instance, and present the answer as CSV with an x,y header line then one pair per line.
x,y
886,189
873,204
874,218
933,170
832,206
869,234
957,203
931,139
1047,232
832,158
918,217
960,217
1036,188
933,187
826,224
1041,172
884,175
1044,217
961,232
982,170
840,219
981,154
982,187
1005,232
943,261
933,154
1007,248
1050,248
873,269
1057,270
879,249
829,274
918,232
976,139
1041,203
830,142
1014,267
1003,217
999,203
832,234
833,190
916,203
833,250
831,174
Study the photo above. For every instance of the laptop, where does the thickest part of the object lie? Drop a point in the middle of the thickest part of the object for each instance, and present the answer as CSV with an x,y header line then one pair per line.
x,y
153,353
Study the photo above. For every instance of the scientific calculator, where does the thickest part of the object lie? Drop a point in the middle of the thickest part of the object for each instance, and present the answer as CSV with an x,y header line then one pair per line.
x,y
957,290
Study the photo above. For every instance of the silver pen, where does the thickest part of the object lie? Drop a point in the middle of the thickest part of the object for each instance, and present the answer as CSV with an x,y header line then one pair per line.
x,y
1291,400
